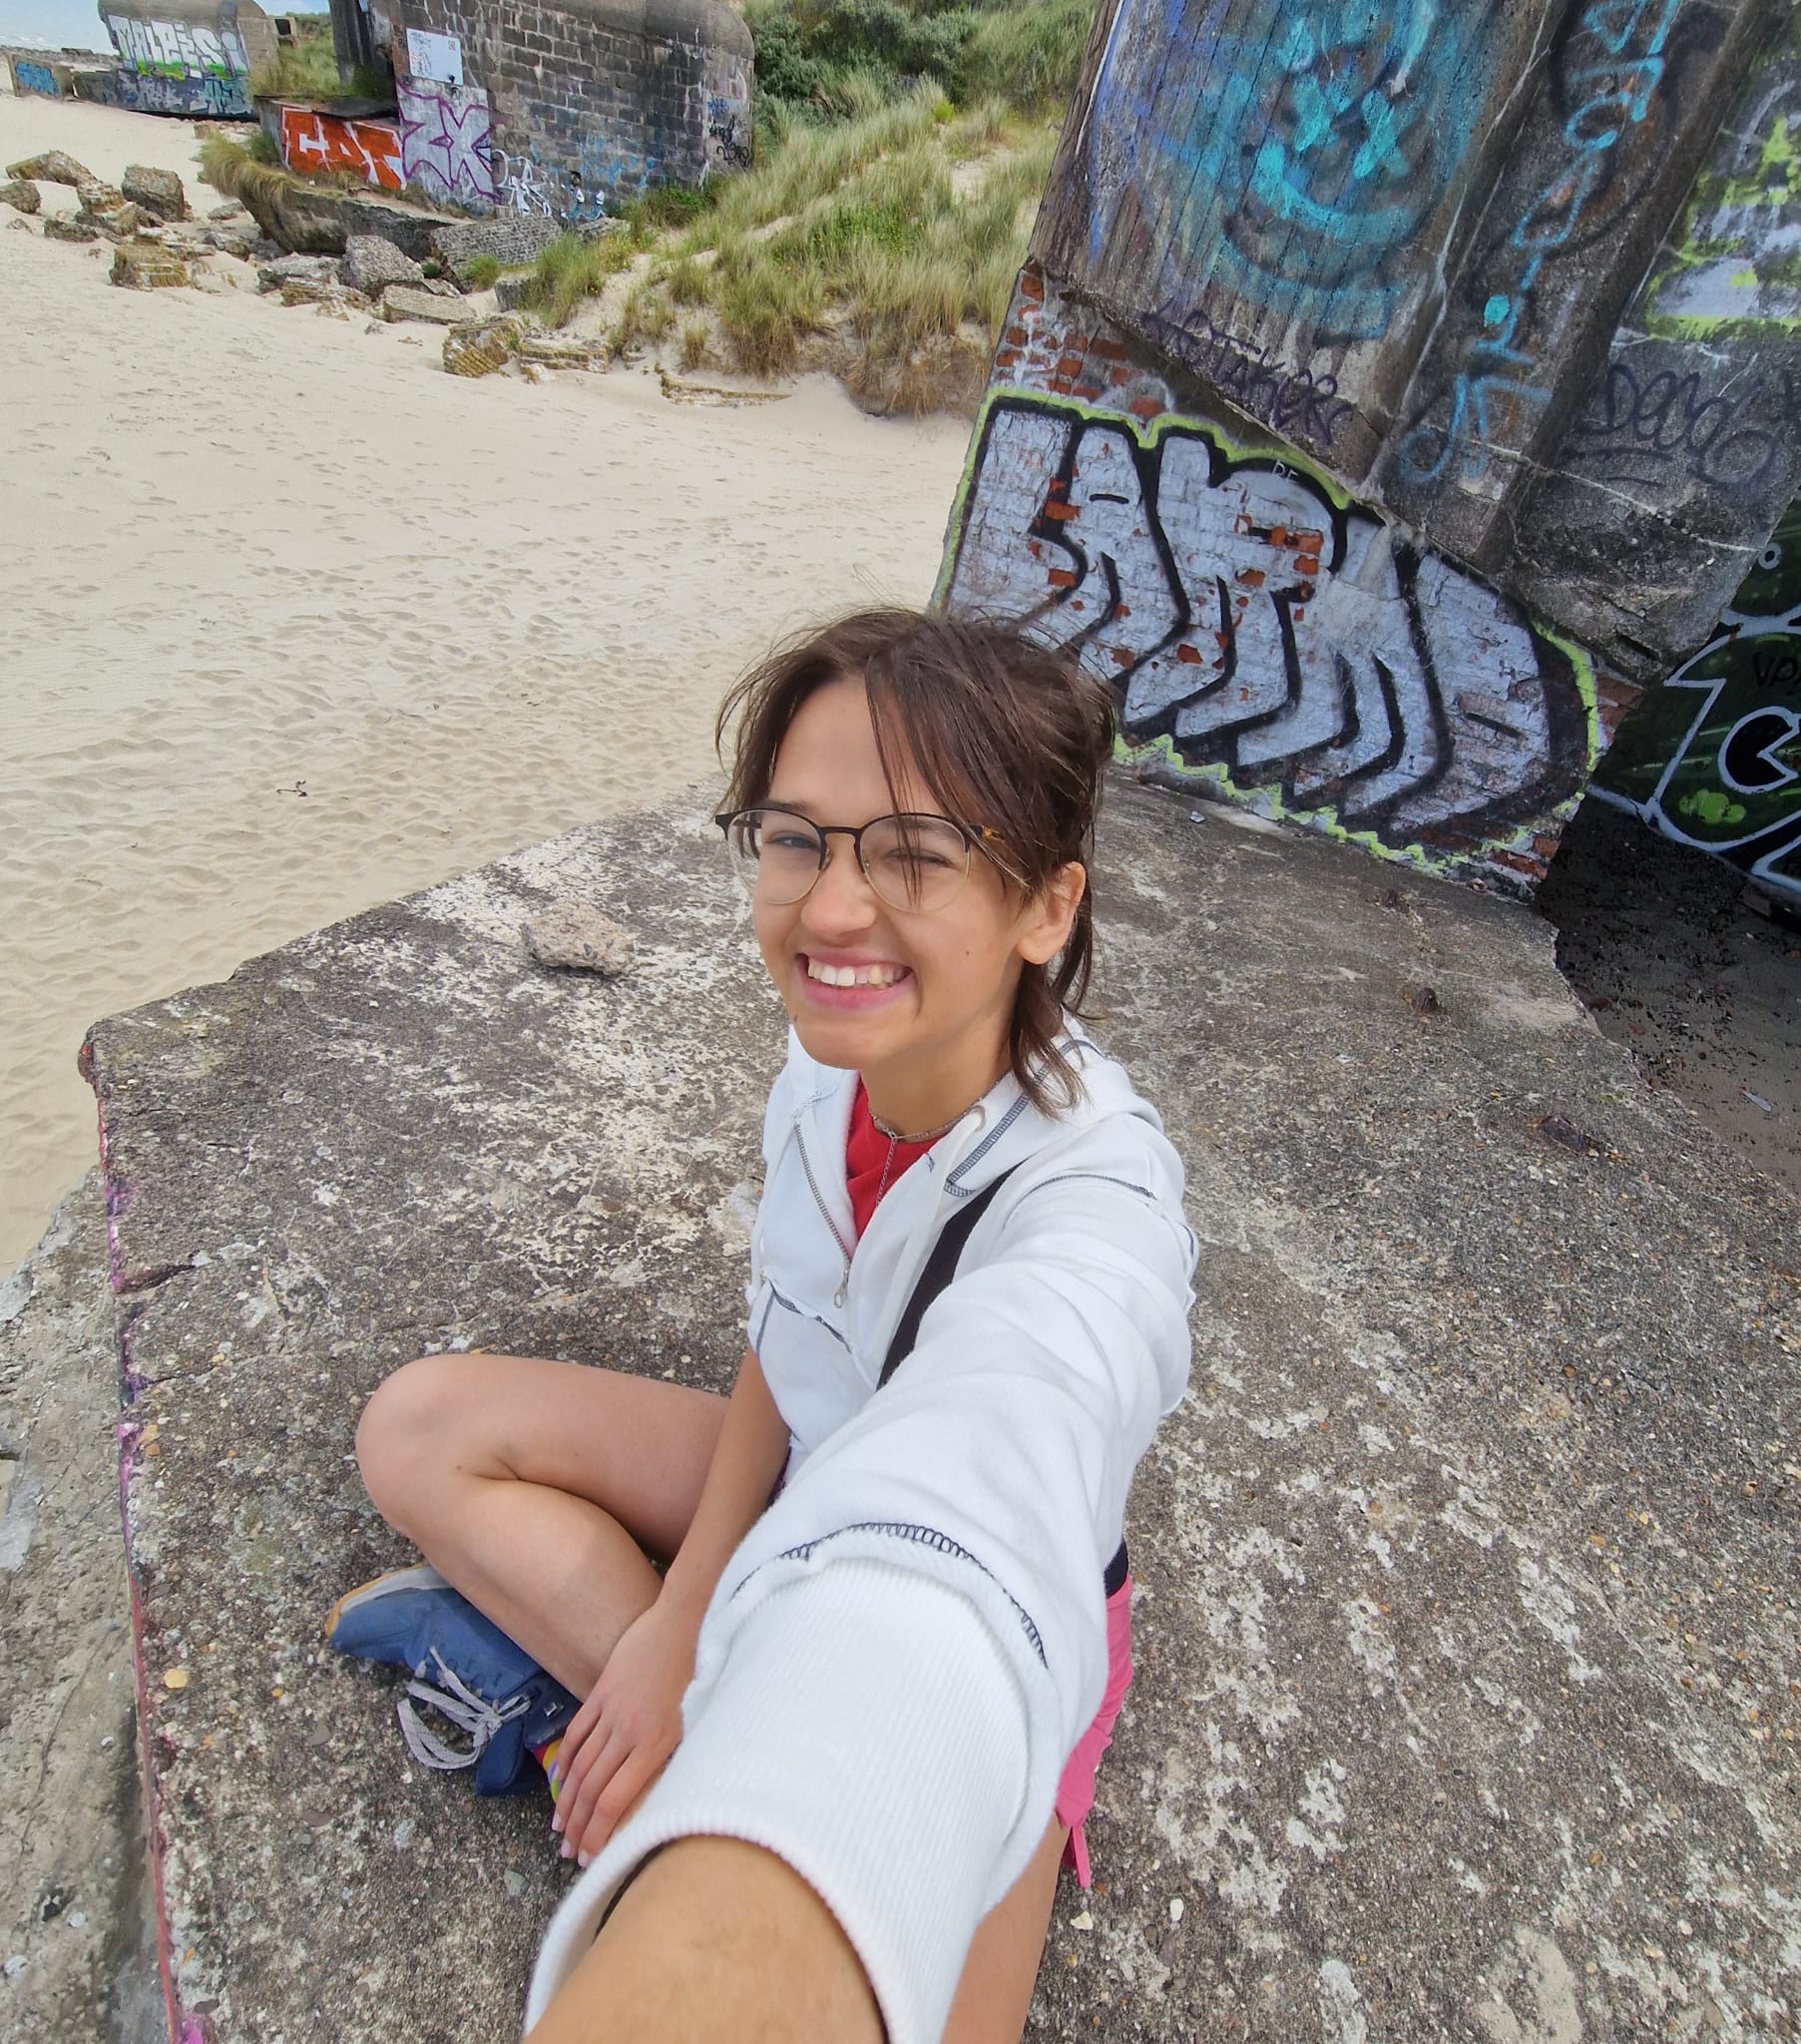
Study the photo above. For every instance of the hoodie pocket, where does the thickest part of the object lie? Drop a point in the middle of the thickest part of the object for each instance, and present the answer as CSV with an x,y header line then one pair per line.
x,y
807,1364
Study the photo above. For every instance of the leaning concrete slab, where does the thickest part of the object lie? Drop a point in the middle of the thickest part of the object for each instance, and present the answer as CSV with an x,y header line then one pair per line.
x,y
72,1860
1468,1699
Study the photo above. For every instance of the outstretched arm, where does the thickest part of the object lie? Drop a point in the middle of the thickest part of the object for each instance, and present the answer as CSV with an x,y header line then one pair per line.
x,y
719,1939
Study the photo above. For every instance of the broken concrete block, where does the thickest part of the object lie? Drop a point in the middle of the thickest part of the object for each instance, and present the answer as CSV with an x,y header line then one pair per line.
x,y
143,266
70,227
20,193
409,302
157,193
52,168
370,265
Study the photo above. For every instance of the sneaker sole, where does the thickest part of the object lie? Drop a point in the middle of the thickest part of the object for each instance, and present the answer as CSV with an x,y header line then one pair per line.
x,y
422,1576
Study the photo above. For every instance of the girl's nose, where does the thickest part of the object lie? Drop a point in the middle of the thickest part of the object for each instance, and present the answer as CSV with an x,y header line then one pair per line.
x,y
841,898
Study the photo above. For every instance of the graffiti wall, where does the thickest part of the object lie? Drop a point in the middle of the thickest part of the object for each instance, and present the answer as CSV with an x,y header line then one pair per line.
x,y
1687,445
1262,631
1393,393
313,140
1403,236
566,112
33,78
189,63
447,143
1712,759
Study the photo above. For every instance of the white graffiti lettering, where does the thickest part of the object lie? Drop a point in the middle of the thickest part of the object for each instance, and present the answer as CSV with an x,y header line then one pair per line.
x,y
1241,613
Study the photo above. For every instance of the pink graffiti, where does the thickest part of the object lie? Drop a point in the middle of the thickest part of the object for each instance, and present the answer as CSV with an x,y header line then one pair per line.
x,y
447,141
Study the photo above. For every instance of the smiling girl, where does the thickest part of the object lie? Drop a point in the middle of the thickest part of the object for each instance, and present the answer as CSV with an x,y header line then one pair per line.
x,y
891,1632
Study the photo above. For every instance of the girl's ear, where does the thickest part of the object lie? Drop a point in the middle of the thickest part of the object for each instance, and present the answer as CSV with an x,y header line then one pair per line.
x,y
1050,914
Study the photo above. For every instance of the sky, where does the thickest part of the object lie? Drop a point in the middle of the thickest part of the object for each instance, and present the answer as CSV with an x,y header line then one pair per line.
x,y
53,23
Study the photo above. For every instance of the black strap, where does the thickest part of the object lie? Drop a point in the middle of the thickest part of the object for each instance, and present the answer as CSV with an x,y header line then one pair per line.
x,y
941,1268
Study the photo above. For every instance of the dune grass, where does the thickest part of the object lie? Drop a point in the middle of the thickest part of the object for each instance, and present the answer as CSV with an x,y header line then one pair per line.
x,y
897,236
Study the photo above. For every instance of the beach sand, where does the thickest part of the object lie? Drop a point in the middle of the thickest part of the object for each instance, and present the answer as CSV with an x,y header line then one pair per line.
x,y
297,623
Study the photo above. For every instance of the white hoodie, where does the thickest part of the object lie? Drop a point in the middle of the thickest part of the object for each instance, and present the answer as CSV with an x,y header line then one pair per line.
x,y
907,1645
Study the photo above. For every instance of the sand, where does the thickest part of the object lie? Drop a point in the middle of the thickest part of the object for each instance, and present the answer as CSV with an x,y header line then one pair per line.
x,y
297,623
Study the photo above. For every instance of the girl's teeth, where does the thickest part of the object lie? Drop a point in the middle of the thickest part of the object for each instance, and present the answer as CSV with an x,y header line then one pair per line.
x,y
852,975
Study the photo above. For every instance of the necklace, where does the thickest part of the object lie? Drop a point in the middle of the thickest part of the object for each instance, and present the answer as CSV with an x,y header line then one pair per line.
x,y
930,1136
896,1139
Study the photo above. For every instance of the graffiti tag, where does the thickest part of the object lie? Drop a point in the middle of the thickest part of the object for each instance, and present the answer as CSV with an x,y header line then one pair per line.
x,y
1304,172
447,142
1245,615
312,142
1613,67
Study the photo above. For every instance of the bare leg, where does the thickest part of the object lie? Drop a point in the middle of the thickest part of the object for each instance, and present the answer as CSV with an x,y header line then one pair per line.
x,y
994,1994
537,1487
716,1942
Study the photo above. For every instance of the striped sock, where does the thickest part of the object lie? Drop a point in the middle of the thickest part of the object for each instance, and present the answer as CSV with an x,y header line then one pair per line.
x,y
546,1757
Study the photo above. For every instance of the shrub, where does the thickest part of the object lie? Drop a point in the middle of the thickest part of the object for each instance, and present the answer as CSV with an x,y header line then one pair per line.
x,y
480,271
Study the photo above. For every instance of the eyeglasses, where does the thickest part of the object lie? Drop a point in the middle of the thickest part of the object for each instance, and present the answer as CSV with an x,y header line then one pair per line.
x,y
913,862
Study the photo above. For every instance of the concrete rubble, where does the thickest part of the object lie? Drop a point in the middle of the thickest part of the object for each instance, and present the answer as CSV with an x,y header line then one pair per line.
x,y
1469,1687
370,264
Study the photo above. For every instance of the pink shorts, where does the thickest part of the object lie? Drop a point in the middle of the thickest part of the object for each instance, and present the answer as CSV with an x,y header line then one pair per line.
x,y
1076,1791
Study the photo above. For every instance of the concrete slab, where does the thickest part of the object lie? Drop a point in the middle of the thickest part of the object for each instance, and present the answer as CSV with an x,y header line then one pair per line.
x,y
1468,1680
73,1953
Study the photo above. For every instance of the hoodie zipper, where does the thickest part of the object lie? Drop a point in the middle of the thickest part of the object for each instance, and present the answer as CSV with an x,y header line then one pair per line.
x,y
844,1249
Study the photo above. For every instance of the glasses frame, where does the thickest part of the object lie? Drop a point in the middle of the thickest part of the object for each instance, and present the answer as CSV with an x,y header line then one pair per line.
x,y
974,840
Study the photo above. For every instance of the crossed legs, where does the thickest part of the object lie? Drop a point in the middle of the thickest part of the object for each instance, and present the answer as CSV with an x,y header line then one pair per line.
x,y
539,1490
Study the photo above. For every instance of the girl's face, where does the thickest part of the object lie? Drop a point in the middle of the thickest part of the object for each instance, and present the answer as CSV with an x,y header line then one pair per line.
x,y
933,1038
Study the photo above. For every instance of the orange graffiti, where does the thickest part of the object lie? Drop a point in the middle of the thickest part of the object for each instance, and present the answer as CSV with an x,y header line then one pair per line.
x,y
370,149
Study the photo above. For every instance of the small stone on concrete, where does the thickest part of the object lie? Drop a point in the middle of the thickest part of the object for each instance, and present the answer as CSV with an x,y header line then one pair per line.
x,y
574,936
52,168
233,209
409,302
21,193
370,264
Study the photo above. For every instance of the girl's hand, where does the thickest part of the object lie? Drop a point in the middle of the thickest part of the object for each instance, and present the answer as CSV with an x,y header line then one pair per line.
x,y
618,1741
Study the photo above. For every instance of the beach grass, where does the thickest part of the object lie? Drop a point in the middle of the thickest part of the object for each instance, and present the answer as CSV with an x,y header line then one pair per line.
x,y
883,248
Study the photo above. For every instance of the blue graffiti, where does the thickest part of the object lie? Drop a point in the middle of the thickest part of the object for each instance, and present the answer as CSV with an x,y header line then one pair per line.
x,y
1294,159
218,98
1614,79
36,77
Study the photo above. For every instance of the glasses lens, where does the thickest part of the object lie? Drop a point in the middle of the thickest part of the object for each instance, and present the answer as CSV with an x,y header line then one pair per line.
x,y
775,854
915,862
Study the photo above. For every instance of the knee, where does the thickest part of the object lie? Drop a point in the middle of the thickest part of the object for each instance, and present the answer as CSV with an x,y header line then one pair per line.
x,y
407,1432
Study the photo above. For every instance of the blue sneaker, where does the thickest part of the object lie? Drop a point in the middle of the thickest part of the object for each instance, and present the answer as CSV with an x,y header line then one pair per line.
x,y
463,1667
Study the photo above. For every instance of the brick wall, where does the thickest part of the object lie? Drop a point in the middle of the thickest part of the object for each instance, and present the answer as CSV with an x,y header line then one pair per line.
x,y
596,102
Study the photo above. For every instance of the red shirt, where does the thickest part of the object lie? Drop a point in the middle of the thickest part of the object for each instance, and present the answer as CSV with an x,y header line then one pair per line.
x,y
866,1160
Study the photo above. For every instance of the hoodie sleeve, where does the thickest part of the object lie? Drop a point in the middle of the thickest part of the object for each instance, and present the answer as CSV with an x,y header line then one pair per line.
x,y
917,1623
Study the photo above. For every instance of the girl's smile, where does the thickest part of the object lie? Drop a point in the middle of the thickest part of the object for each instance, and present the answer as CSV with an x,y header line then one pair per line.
x,y
919,1002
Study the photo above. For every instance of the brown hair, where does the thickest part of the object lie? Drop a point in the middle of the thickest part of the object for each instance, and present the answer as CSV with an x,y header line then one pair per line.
x,y
1005,732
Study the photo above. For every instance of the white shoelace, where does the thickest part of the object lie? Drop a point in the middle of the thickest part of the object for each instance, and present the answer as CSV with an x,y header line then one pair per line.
x,y
467,1709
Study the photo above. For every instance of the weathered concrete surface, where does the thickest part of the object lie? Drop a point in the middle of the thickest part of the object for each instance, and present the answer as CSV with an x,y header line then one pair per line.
x,y
1466,1634
71,1838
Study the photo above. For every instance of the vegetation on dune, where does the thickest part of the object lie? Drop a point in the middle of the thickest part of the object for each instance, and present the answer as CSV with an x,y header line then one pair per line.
x,y
833,57
307,68
882,245
235,171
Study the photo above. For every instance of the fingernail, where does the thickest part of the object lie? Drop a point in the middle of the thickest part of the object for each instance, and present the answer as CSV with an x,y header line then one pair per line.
x,y
557,1823
564,1850
582,1859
